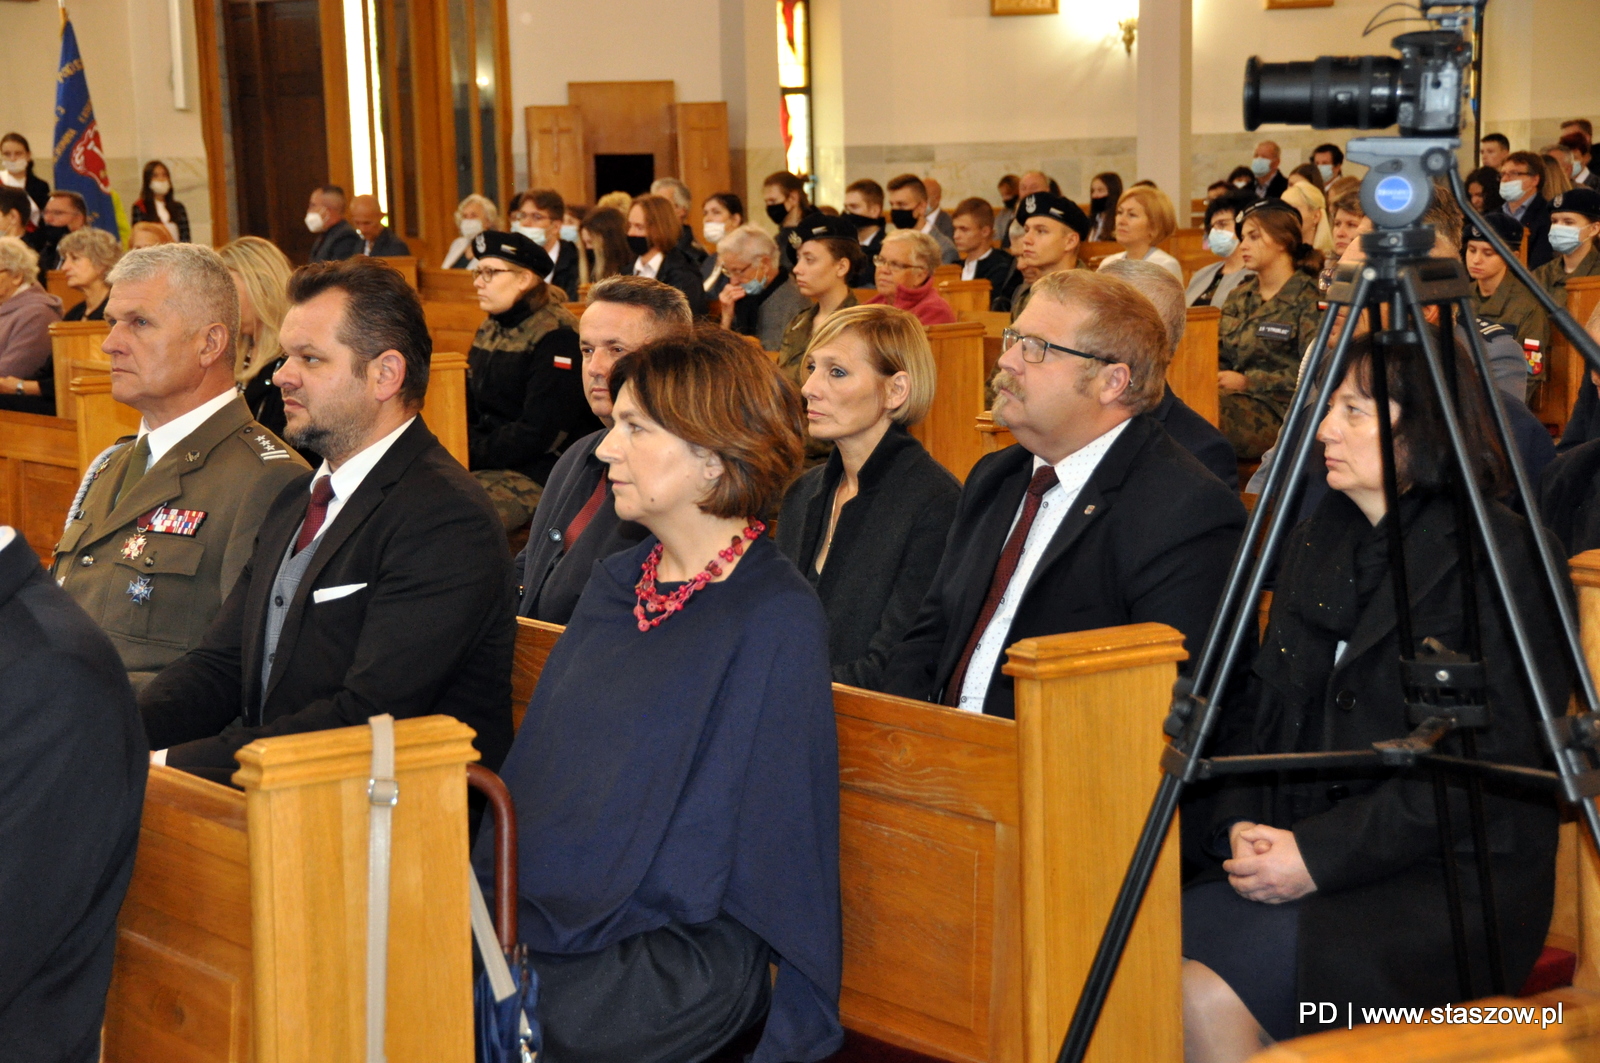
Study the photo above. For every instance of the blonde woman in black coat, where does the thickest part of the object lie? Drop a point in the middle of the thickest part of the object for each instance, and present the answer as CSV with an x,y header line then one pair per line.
x,y
1335,887
868,527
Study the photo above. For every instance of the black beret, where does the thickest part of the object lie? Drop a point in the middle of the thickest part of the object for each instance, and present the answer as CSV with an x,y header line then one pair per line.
x,y
1580,200
1506,227
1056,208
820,226
515,249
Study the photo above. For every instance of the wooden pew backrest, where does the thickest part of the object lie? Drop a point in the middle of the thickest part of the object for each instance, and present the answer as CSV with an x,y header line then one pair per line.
x,y
405,265
1193,370
1093,252
444,408
964,296
1563,365
56,284
453,325
38,476
74,342
958,397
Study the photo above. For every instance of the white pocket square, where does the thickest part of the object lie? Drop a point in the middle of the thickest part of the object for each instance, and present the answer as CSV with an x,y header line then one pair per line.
x,y
328,594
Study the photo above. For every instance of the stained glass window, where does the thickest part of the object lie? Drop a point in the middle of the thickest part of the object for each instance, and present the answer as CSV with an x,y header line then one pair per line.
x,y
794,83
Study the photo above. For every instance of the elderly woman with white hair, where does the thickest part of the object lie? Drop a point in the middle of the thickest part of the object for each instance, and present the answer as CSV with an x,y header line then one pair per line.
x,y
26,313
86,257
474,215
760,298
905,266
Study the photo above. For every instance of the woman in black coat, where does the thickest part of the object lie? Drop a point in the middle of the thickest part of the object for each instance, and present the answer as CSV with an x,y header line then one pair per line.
x,y
653,231
1335,888
156,204
868,528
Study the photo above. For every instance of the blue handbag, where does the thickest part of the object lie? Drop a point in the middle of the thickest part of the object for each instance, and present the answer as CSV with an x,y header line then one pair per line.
x,y
507,990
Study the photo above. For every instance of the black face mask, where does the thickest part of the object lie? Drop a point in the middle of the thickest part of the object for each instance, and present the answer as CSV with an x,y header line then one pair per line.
x,y
862,221
50,233
1097,204
1010,204
777,212
639,245
903,219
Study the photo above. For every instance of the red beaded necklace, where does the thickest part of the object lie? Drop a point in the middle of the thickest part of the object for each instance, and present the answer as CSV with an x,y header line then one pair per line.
x,y
667,604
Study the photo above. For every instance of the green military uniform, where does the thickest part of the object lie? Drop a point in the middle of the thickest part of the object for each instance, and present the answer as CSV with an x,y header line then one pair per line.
x,y
153,570
1515,307
1019,301
1263,339
1553,275
797,337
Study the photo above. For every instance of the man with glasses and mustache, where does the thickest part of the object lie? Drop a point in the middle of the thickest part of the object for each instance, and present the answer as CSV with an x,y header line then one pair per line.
x,y
1095,518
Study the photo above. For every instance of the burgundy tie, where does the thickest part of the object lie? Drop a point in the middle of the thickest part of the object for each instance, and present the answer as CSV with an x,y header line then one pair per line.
x,y
1042,481
586,514
316,512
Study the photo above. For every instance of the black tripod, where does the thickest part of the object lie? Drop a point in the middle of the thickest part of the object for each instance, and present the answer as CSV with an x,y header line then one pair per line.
x,y
1443,691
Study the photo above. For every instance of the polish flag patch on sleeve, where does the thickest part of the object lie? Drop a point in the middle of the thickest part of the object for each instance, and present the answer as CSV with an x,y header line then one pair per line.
x,y
563,361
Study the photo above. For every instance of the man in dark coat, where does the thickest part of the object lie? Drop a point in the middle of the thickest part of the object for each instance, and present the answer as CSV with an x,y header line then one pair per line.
x,y
1531,208
980,260
72,769
325,216
382,584
377,239
576,523
1095,518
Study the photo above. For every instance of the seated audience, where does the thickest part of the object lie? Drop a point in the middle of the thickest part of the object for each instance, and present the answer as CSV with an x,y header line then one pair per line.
x,y
1483,190
760,298
1308,174
828,256
618,201
867,529
380,585
525,401
1329,161
377,239
1030,183
261,275
1580,151
908,210
474,214
653,229
1497,295
64,212
1333,887
1187,428
785,197
16,171
165,520
336,238
720,214
1083,503
1338,188
1216,189
86,257
26,314
1104,192
1574,237
677,193
1265,170
1570,485
1053,228
15,206
1243,179
1266,324
905,276
1315,230
576,523
605,240
936,218
1346,214
1557,172
156,204
1144,219
676,776
73,771
1007,187
1522,178
1493,150
1211,285
863,206
148,234
973,234
537,215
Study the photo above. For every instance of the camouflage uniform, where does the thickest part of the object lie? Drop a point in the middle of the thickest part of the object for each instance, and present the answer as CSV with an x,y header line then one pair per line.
x,y
797,337
1553,275
1263,340
1514,307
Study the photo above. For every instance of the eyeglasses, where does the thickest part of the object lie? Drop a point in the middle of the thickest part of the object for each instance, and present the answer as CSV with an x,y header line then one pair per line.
x,y
486,274
734,273
1034,348
884,263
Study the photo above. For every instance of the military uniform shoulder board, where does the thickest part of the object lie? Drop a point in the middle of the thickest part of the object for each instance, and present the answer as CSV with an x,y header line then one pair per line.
x,y
1490,329
266,448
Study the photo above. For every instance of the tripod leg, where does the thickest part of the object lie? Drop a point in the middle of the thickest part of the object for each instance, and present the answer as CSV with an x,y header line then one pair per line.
x,y
1452,883
1482,856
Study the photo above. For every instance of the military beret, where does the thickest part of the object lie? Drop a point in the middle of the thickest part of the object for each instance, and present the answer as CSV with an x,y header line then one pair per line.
x,y
1505,227
1580,200
1056,208
821,226
515,249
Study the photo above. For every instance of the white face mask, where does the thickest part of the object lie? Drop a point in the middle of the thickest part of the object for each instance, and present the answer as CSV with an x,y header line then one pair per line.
x,y
714,231
314,221
471,227
1326,170
15,165
1511,190
160,188
569,233
1577,167
532,232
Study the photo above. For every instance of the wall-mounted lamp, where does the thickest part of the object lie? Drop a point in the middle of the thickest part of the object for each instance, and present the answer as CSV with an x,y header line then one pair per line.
x,y
1129,28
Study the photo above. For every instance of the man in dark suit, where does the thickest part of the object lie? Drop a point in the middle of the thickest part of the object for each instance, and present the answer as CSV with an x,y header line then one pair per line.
x,y
980,259
377,239
1529,206
325,216
1095,518
1265,163
380,584
576,523
937,218
72,769
863,207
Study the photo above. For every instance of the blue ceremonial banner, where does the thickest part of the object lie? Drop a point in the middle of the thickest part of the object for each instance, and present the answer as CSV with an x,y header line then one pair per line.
x,y
80,161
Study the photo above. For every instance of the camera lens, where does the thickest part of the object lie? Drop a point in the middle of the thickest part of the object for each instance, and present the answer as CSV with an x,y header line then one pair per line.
x,y
1332,92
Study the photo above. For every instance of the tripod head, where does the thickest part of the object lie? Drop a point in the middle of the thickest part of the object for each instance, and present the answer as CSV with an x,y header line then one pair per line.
x,y
1398,187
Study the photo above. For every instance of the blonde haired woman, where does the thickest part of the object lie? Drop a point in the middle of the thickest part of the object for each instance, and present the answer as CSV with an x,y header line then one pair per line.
x,y
261,273
1145,218
474,215
1315,231
867,529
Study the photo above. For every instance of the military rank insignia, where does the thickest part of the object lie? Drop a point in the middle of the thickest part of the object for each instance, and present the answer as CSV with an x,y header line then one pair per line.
x,y
169,521
134,546
139,589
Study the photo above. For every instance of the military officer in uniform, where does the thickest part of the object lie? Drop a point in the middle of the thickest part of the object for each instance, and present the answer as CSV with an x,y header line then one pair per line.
x,y
1054,228
1500,297
165,520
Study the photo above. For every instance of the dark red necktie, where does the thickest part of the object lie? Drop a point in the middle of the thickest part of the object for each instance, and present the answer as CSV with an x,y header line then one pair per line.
x,y
1042,481
316,512
581,521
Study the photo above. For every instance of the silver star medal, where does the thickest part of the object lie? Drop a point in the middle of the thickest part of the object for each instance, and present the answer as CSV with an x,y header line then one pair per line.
x,y
139,589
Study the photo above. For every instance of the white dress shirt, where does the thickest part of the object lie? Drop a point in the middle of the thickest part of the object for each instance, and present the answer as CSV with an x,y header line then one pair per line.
x,y
969,270
7,534
348,476
555,261
646,265
931,222
1072,472
174,431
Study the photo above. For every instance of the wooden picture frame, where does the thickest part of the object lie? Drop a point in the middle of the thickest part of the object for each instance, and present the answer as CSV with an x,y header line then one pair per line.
x,y
1024,7
1284,5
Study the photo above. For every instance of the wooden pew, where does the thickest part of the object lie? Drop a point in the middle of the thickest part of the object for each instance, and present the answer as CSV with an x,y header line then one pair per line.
x,y
243,935
965,296
973,886
958,398
994,322
1193,370
1563,365
38,476
405,265
450,304
444,408
56,284
1094,252
946,273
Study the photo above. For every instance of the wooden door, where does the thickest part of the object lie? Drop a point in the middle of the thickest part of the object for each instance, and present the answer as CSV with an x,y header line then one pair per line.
x,y
703,165
627,118
280,142
556,157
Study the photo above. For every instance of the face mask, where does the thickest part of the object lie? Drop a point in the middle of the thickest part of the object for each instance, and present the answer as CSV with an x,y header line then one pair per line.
x,y
1511,191
714,231
314,221
1221,242
1098,203
1010,204
569,233
777,212
470,227
639,245
532,232
1016,232
1260,167
903,219
1565,238
1241,183
1577,167
1326,171
755,287
16,165
160,188
862,221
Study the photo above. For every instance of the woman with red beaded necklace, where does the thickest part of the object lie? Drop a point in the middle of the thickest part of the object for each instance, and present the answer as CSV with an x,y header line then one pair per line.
x,y
676,775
